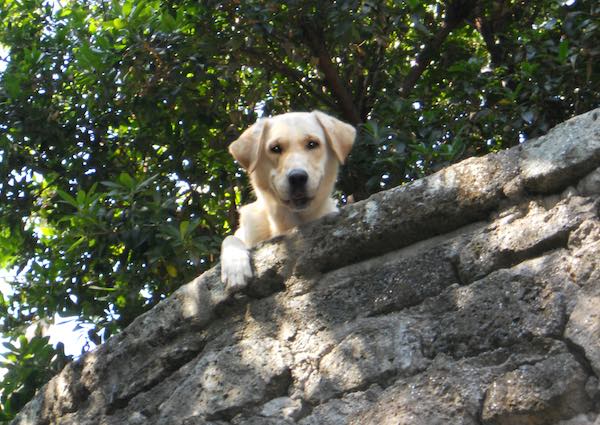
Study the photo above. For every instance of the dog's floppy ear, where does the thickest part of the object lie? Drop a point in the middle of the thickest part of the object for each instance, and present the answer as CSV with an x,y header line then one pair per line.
x,y
339,134
247,148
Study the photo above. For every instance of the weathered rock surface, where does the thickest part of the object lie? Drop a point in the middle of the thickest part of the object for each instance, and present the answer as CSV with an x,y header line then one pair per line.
x,y
468,297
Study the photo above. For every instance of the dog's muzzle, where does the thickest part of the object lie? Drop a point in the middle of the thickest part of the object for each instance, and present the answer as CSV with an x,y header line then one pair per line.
x,y
297,179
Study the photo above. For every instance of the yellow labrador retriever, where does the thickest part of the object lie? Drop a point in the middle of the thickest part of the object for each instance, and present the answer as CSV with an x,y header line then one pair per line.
x,y
292,160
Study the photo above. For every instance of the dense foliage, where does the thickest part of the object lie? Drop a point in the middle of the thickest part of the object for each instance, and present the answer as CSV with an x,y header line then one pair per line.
x,y
115,183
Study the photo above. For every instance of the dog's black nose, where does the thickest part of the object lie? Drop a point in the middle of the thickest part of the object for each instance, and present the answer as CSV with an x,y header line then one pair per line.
x,y
297,178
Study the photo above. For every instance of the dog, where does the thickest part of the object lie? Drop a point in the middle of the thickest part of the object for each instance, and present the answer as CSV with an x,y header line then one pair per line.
x,y
292,160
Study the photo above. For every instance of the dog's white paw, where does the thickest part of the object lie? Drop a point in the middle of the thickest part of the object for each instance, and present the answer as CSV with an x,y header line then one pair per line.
x,y
236,269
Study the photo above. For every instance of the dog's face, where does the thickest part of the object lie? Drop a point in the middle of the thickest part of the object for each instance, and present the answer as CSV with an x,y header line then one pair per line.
x,y
294,157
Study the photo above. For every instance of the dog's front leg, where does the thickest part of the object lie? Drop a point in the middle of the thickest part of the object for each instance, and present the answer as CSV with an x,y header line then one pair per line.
x,y
236,269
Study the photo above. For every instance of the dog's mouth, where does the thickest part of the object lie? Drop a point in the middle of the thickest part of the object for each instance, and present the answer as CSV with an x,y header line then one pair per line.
x,y
298,201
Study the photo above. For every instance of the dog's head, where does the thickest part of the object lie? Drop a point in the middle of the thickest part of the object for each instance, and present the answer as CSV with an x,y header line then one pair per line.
x,y
294,157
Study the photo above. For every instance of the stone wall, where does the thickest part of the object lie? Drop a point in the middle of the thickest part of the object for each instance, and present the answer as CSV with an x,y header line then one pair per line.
x,y
471,296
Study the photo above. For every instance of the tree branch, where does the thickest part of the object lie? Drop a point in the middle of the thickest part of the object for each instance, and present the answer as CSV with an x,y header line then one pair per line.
x,y
371,83
424,58
456,12
332,78
267,61
496,22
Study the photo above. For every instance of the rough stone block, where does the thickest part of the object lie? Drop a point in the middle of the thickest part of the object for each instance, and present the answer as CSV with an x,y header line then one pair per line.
x,y
468,297
538,394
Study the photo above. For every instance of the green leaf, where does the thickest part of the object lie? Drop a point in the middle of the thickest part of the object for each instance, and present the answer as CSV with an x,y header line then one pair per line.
x,y
67,198
172,270
183,228
126,180
12,83
101,288
76,244
113,185
563,51
144,184
118,23
127,7
90,57
81,198
167,22
413,4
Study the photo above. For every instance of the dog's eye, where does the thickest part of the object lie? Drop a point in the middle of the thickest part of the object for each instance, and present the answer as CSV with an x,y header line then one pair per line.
x,y
312,144
276,149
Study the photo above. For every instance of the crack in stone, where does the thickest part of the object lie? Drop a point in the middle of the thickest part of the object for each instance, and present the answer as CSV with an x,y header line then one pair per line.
x,y
278,386
578,353
171,366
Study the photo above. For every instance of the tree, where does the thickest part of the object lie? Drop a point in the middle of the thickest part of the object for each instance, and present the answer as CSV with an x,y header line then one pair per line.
x,y
115,183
